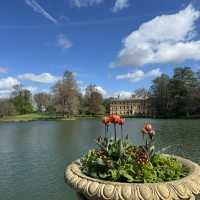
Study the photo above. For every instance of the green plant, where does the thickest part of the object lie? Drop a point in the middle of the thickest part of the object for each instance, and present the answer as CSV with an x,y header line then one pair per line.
x,y
119,160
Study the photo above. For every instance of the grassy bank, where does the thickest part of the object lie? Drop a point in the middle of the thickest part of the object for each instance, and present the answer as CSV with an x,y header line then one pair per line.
x,y
41,117
48,117
27,117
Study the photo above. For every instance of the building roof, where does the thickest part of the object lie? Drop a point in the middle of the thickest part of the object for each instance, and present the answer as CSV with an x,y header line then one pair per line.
x,y
130,99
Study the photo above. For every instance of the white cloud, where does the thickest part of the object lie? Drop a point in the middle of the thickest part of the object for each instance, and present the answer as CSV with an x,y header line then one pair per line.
x,y
139,75
122,94
4,94
120,4
153,73
85,3
37,8
134,76
7,84
101,90
41,78
98,88
3,69
31,89
63,42
164,39
7,92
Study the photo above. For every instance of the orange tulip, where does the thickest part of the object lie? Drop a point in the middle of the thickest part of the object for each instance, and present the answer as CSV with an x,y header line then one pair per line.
x,y
114,119
148,129
106,120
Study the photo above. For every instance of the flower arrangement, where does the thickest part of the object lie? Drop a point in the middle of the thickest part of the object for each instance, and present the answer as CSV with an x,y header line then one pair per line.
x,y
117,159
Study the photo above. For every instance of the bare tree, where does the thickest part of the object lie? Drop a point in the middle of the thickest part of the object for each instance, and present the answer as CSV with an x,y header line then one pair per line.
x,y
6,108
66,95
42,100
142,92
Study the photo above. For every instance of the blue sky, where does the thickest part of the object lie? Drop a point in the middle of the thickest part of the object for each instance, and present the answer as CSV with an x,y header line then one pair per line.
x,y
119,45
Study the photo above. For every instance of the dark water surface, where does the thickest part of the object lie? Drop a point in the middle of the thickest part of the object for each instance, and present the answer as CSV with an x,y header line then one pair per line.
x,y
33,155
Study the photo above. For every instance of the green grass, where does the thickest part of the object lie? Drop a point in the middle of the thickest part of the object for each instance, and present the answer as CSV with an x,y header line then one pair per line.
x,y
27,117
41,117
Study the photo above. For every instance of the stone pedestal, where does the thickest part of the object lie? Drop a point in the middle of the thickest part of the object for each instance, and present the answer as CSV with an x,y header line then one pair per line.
x,y
89,188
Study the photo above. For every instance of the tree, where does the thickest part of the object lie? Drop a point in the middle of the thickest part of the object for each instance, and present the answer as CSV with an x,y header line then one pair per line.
x,y
94,101
106,104
22,100
182,86
6,108
160,95
66,95
43,101
177,96
82,109
196,94
142,92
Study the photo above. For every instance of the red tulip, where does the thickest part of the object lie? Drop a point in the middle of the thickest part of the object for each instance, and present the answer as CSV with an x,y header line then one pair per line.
x,y
148,129
115,119
121,122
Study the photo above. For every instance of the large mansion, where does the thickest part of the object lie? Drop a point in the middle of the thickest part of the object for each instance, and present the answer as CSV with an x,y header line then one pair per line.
x,y
135,106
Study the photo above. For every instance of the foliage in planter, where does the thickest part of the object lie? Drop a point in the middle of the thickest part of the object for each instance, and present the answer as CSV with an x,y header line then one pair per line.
x,y
119,160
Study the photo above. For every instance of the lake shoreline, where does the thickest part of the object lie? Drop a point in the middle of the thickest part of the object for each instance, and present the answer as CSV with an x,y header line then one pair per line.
x,y
42,117
47,117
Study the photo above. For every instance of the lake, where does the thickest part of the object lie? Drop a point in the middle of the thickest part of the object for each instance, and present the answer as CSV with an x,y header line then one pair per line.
x,y
33,155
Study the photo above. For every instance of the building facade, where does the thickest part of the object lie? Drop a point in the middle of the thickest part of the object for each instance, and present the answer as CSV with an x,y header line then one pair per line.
x,y
131,107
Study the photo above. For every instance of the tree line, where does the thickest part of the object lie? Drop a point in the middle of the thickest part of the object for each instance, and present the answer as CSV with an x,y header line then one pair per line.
x,y
176,96
65,99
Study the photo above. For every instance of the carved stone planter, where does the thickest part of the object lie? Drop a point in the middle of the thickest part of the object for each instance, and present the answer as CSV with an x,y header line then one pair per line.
x,y
93,189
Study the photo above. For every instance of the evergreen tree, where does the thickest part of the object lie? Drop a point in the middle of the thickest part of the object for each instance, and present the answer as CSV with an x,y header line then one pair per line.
x,y
93,101
160,95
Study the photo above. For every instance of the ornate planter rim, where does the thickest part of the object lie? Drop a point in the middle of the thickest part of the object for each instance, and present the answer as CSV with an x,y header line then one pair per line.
x,y
184,188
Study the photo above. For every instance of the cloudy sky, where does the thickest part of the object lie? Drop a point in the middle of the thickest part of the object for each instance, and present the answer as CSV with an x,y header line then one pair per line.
x,y
119,45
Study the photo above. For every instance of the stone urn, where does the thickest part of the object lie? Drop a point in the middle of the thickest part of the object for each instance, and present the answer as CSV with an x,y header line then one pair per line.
x,y
88,188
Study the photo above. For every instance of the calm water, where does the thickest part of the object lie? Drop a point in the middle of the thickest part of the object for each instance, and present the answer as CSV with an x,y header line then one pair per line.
x,y
33,155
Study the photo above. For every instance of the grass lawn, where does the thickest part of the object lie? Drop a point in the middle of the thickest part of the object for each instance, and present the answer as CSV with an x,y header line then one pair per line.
x,y
41,116
27,117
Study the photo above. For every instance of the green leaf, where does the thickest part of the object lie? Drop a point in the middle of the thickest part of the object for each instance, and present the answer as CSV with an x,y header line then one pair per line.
x,y
99,162
103,175
114,174
126,175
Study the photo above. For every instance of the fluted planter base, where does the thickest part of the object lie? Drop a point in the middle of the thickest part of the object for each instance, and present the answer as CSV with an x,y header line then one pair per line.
x,y
88,188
